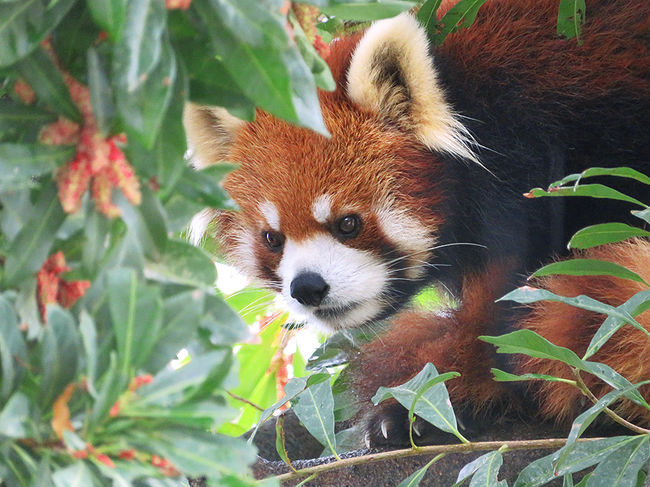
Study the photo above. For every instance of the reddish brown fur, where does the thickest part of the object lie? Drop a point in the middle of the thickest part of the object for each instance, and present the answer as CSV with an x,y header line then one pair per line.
x,y
596,68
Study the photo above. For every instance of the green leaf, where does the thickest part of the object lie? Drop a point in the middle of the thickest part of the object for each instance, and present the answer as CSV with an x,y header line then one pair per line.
x,y
533,345
224,325
198,453
15,417
468,470
591,190
295,386
88,333
603,234
206,414
427,15
621,468
501,376
254,47
96,238
59,354
46,80
623,172
530,343
109,15
486,473
636,305
136,311
460,16
204,186
279,441
75,475
527,295
571,16
414,479
165,162
146,221
101,93
142,107
582,422
588,267
582,456
31,246
170,387
432,398
16,119
210,83
24,24
21,163
315,409
643,214
183,263
72,38
113,383
144,70
316,64
367,10
13,352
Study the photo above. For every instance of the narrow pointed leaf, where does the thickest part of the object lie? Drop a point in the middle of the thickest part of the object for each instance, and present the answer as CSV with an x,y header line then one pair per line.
x,y
30,247
588,267
59,354
636,305
623,172
136,311
591,190
13,351
24,24
109,15
414,479
21,163
603,234
39,70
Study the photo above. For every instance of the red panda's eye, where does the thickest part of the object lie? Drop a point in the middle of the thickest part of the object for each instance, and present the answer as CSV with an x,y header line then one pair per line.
x,y
273,240
349,226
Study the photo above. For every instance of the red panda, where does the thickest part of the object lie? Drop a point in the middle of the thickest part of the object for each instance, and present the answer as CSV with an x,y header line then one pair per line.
x,y
421,181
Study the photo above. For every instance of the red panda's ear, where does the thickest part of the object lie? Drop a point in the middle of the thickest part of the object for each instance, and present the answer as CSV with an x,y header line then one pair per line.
x,y
210,132
392,74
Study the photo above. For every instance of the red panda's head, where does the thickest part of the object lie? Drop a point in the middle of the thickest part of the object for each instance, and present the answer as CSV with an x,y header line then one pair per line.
x,y
342,227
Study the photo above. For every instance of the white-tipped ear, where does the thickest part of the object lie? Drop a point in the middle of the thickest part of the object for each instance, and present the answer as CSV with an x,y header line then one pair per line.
x,y
391,73
210,132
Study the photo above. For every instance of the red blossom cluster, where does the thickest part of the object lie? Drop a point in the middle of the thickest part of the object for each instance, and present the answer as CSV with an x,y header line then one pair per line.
x,y
99,162
53,289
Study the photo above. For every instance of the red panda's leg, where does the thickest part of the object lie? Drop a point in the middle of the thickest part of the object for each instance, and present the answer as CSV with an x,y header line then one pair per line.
x,y
448,341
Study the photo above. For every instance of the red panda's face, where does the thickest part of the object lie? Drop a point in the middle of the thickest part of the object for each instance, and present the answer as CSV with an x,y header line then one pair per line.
x,y
337,226
342,227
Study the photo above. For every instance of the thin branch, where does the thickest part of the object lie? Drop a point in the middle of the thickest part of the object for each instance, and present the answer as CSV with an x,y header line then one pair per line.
x,y
585,390
244,400
431,450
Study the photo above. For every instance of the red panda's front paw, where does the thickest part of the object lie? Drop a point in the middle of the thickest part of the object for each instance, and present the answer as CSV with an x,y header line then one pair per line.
x,y
387,425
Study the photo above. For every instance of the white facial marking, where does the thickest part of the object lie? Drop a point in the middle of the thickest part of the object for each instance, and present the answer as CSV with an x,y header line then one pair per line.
x,y
271,215
356,279
410,236
321,208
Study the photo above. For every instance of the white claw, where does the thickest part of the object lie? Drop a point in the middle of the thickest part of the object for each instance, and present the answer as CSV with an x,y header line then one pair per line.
x,y
384,429
366,440
417,431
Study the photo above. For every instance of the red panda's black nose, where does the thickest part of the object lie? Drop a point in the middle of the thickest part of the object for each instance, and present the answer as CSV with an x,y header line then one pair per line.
x,y
309,288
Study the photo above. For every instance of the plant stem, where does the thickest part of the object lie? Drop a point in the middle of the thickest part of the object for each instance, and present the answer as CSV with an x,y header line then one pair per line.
x,y
244,400
431,450
585,390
